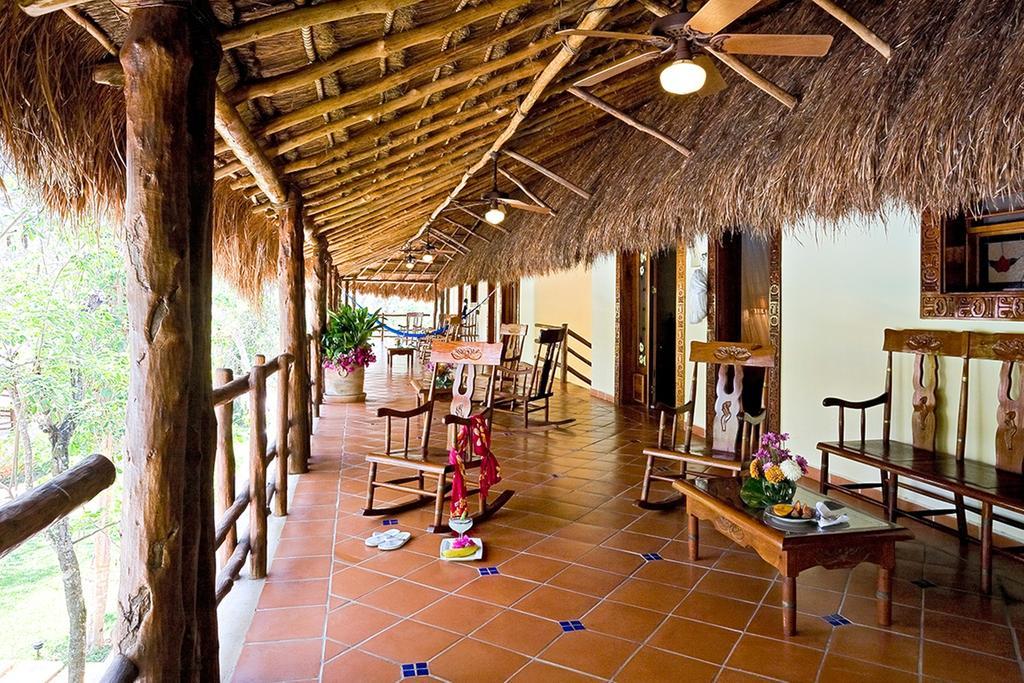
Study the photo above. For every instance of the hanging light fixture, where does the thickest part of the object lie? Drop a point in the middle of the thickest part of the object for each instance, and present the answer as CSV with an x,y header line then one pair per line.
x,y
428,253
410,262
495,213
683,76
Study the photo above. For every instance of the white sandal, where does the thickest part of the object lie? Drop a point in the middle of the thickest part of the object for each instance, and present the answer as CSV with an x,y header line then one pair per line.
x,y
395,542
378,537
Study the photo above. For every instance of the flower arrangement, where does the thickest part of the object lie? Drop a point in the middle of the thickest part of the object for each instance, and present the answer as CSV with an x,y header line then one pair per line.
x,y
774,472
443,379
346,342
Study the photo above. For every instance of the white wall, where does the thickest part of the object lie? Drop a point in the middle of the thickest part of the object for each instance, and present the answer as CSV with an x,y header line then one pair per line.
x,y
583,297
602,327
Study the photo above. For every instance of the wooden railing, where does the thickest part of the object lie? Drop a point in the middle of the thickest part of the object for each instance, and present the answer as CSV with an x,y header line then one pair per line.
x,y
574,343
30,513
232,551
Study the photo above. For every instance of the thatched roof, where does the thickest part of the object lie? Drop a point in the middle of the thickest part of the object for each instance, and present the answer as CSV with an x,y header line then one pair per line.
x,y
377,116
939,126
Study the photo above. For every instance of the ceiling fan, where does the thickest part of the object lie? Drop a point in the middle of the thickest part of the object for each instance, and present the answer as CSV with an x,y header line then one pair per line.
x,y
495,200
687,36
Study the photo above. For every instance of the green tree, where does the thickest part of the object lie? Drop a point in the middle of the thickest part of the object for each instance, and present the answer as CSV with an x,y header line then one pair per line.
x,y
63,346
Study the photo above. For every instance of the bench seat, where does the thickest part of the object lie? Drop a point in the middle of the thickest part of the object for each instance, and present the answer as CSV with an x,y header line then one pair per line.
x,y
967,477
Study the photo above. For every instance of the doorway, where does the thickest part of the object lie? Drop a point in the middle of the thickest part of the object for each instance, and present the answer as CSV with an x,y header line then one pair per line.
x,y
649,331
745,305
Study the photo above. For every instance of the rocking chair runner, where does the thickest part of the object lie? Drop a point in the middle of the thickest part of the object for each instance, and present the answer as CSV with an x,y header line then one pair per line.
x,y
464,358
533,385
733,435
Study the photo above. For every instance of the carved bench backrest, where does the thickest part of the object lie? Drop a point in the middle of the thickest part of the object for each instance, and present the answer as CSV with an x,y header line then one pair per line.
x,y
728,360
927,347
1008,349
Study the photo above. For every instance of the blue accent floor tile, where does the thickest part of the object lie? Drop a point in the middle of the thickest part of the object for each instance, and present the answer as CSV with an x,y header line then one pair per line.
x,y
650,557
836,619
571,625
488,571
390,522
415,669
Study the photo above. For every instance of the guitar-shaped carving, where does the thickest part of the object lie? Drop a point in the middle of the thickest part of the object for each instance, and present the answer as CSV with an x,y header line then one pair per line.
x,y
926,383
727,408
1009,435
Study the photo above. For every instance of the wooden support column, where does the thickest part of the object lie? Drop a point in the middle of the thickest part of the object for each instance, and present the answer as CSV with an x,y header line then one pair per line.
x,y
258,469
290,277
281,499
167,623
318,298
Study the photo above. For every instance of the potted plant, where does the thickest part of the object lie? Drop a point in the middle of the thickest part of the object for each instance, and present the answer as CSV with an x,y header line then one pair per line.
x,y
774,472
347,350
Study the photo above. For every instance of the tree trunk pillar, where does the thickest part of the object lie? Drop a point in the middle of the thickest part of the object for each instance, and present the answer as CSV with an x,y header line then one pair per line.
x,y
318,297
167,617
291,276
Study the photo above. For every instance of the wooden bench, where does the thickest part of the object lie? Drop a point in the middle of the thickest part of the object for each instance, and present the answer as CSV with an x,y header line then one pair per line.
x,y
955,477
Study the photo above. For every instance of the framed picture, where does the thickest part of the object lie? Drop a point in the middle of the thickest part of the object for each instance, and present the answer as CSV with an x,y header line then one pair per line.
x,y
1001,262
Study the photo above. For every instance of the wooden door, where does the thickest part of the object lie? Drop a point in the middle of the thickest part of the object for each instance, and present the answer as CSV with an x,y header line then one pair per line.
x,y
510,302
661,371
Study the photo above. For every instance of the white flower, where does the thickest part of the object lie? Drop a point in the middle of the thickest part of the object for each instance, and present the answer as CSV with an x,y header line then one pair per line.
x,y
791,469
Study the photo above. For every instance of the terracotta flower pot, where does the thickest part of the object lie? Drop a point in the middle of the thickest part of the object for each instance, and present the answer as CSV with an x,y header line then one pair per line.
x,y
346,386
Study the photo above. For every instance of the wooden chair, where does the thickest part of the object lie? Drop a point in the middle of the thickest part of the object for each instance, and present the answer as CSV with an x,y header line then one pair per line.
x,y
733,435
512,337
419,459
450,332
533,384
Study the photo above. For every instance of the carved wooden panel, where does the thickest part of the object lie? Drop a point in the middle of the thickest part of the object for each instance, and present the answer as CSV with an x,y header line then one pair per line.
x,y
1010,419
936,303
926,384
680,323
463,382
724,428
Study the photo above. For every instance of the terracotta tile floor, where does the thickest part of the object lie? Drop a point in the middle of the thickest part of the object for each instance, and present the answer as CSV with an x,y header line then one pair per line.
x,y
567,547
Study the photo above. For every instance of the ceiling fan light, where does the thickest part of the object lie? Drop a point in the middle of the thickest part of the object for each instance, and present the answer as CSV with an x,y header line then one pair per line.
x,y
683,77
428,257
410,262
495,214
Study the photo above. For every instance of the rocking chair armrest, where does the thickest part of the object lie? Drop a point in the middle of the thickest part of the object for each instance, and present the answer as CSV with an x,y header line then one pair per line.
x,y
834,402
404,414
694,459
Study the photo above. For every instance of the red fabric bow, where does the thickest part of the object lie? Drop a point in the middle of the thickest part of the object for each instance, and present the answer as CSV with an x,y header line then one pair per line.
x,y
490,471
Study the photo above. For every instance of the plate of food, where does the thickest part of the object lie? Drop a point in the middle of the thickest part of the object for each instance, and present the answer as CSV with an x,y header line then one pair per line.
x,y
797,513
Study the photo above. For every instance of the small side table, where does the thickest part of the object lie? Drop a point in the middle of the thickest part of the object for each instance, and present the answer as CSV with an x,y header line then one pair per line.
x,y
406,351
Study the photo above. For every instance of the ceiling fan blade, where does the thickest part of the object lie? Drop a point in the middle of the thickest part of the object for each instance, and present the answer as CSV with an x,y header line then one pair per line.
x,y
714,83
717,14
616,68
516,204
781,45
615,35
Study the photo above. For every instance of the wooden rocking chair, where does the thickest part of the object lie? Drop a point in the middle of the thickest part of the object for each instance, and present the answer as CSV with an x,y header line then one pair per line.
x,y
421,460
733,435
533,384
512,337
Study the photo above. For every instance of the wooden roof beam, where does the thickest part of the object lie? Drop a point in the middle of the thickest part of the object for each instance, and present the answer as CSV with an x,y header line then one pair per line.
x,y
374,49
595,15
304,17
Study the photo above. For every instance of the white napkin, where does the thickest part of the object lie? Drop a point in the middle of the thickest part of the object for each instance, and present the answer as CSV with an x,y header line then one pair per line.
x,y
827,517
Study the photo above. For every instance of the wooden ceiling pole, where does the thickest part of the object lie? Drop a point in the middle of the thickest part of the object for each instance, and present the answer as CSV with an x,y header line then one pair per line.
x,y
166,599
852,23
370,50
629,120
596,14
525,190
564,182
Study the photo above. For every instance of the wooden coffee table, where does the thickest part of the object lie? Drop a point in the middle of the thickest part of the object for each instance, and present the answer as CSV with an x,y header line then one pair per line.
x,y
791,550
406,351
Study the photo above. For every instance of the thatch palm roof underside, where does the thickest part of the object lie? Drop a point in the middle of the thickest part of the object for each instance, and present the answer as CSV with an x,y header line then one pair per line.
x,y
376,118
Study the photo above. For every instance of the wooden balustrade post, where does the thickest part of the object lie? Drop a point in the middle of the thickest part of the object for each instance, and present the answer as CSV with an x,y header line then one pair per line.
x,y
224,482
281,499
290,274
564,351
167,611
257,469
318,297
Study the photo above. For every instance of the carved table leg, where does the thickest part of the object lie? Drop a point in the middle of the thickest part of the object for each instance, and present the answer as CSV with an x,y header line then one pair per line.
x,y
693,527
789,605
